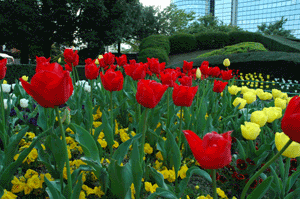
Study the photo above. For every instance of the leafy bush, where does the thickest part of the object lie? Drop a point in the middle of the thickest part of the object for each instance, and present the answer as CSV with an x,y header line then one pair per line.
x,y
182,43
156,41
211,40
238,37
89,53
153,53
238,48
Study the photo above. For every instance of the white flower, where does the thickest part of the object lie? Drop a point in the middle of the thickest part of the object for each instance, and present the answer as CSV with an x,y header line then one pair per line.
x,y
6,88
5,103
24,103
283,80
99,84
13,86
296,81
81,83
12,95
87,88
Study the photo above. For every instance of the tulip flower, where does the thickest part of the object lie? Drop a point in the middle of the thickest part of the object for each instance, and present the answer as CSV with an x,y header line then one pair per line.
x,y
213,152
250,97
91,69
290,124
136,71
250,130
3,68
168,78
187,66
219,86
184,95
226,75
186,81
71,57
292,151
121,61
259,117
108,58
281,103
226,62
41,63
50,87
198,73
112,80
233,90
214,72
204,68
154,65
149,92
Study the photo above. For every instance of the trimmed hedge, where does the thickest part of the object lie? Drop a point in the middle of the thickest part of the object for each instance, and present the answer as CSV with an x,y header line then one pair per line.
x,y
153,53
182,43
156,41
211,40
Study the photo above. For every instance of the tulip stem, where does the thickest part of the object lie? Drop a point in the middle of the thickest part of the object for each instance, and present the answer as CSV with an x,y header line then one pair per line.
x,y
111,121
168,122
214,183
69,185
180,127
91,113
76,73
3,118
264,168
142,153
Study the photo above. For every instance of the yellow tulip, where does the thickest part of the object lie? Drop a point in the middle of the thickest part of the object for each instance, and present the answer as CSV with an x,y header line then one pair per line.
x,y
226,62
259,117
240,101
292,151
198,73
250,130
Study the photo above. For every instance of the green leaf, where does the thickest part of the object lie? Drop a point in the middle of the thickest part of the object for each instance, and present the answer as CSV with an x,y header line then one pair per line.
x,y
86,141
52,191
241,150
120,178
261,189
42,119
189,173
122,150
136,168
263,148
55,144
278,183
1,191
77,188
107,130
293,194
163,193
159,178
291,181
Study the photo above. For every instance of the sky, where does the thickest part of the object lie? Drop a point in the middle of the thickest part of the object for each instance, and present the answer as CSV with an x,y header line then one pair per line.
x,y
162,3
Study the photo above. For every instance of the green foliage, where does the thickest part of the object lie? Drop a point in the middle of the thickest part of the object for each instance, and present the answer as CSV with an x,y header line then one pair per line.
x,y
156,41
275,28
89,53
238,48
182,42
153,53
236,37
211,40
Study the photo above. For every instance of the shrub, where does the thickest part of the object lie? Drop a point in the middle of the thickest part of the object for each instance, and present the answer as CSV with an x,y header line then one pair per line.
x,y
182,43
211,40
155,41
238,48
238,37
153,53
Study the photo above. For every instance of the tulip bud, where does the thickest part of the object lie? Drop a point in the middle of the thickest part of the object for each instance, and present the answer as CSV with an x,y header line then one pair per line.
x,y
198,73
100,56
226,62
59,60
4,82
25,78
97,62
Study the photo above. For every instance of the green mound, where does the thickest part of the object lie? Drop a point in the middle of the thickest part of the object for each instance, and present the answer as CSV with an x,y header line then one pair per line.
x,y
238,48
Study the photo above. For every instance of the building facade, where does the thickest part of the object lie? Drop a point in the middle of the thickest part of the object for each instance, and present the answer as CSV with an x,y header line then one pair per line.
x,y
247,14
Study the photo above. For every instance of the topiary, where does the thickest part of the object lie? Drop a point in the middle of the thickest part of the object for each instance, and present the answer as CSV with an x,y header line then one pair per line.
x,y
153,53
182,43
156,41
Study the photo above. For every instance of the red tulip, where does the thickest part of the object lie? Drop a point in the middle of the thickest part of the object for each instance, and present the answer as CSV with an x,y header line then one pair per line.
x,y
168,78
121,61
214,72
3,68
154,65
69,67
213,152
187,66
184,95
136,71
91,69
71,57
109,58
226,75
50,87
219,86
149,93
186,81
41,63
112,80
204,68
290,124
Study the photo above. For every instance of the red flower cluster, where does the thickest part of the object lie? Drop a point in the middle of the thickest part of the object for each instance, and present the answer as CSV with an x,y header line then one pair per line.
x,y
3,68
71,58
91,69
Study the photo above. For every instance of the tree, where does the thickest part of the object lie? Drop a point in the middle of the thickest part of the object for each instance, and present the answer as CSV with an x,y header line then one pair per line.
x,y
210,23
275,28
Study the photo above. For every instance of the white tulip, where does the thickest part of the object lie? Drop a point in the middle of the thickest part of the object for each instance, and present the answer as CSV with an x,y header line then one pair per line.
x,y
5,103
87,88
12,95
13,86
6,88
24,103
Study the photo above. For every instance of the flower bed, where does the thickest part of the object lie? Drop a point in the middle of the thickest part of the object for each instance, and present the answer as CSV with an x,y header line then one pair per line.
x,y
123,134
